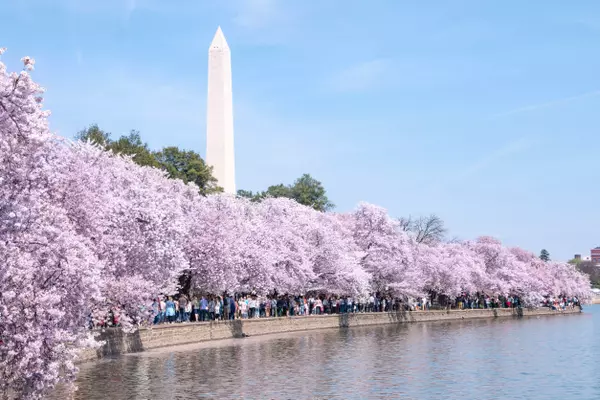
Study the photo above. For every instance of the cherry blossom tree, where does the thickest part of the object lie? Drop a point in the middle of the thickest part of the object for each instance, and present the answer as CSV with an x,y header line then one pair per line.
x,y
335,257
82,230
388,253
48,275
451,269
550,278
136,220
502,268
276,244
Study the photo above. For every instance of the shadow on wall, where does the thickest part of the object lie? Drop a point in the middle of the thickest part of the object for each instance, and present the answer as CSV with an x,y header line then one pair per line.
x,y
401,315
343,320
518,312
346,320
236,327
118,342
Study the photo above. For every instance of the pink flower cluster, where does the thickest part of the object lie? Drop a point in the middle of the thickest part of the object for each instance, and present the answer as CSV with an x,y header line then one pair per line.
x,y
83,231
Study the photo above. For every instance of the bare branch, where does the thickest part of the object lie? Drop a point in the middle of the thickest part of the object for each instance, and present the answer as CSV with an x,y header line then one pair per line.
x,y
428,230
405,224
455,239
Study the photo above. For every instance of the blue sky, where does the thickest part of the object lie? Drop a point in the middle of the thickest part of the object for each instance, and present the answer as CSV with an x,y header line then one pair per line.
x,y
485,113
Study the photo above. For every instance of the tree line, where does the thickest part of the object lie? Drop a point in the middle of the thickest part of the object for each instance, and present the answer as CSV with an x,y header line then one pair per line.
x,y
189,166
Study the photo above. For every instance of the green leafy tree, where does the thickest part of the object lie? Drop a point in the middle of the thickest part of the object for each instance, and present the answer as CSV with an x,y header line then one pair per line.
x,y
188,166
132,145
278,191
306,190
246,194
544,255
310,192
94,135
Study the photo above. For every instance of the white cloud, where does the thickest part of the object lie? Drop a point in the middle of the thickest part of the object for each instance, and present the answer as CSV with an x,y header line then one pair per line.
x,y
166,111
485,161
258,14
554,103
130,8
268,22
122,9
360,77
506,151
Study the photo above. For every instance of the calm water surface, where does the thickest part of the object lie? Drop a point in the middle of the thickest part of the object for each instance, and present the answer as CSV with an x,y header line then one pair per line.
x,y
531,358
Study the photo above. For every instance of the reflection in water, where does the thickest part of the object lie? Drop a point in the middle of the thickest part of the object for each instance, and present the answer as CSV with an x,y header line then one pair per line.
x,y
535,358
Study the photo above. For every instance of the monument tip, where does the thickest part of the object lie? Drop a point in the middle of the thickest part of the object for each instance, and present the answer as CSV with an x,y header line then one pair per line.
x,y
219,41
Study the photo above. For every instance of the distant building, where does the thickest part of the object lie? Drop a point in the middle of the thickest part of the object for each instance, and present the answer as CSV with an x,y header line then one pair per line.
x,y
579,258
595,255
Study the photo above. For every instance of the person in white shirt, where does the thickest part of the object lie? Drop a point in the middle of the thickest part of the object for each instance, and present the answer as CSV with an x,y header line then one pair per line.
x,y
371,303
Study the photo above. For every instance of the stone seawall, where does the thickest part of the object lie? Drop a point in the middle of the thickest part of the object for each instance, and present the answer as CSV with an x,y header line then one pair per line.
x,y
117,342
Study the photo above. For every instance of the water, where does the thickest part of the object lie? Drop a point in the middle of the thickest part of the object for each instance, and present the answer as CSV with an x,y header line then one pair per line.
x,y
531,358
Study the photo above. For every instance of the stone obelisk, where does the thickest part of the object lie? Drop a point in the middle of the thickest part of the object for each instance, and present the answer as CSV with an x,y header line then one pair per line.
x,y
219,117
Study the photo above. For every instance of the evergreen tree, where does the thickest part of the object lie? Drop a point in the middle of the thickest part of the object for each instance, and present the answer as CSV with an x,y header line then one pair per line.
x,y
544,255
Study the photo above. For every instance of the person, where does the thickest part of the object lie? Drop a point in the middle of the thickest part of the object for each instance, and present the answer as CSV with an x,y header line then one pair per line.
x,y
262,307
188,311
273,307
177,316
225,307
203,309
196,308
211,309
163,309
280,306
251,307
267,307
156,311
183,302
333,303
217,308
318,306
243,308
292,307
232,308
170,312
371,304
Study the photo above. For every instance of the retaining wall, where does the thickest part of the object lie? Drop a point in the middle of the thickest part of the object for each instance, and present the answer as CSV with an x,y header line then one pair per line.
x,y
117,342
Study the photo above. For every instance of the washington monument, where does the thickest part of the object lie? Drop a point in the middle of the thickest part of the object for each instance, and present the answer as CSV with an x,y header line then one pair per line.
x,y
219,116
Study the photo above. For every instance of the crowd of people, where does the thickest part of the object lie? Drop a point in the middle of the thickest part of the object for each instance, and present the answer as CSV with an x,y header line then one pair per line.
x,y
244,306
561,303
201,308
